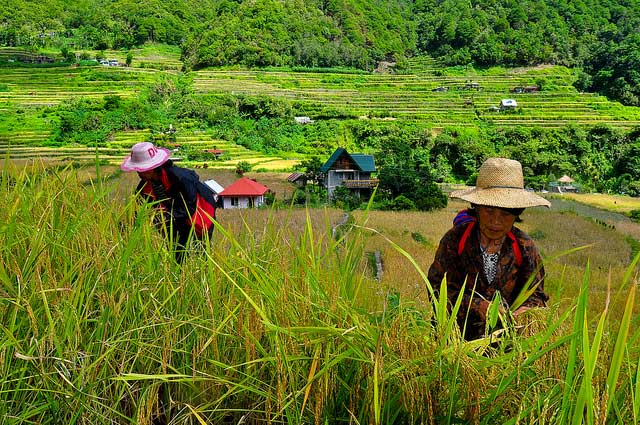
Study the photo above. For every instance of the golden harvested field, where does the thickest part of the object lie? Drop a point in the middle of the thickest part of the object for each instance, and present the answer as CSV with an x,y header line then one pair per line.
x,y
617,203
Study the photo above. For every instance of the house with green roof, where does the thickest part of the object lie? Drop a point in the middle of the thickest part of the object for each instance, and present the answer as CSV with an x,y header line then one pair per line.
x,y
353,171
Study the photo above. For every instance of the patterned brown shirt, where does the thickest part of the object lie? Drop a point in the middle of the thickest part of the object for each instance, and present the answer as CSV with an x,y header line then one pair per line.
x,y
510,278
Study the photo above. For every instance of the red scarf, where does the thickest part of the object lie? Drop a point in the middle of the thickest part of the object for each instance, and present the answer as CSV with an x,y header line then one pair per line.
x,y
514,243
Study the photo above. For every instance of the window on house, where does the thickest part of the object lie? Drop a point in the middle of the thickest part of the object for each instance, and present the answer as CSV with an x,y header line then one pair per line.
x,y
235,202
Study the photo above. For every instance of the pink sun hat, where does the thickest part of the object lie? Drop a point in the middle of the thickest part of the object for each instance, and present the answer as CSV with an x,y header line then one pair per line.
x,y
144,157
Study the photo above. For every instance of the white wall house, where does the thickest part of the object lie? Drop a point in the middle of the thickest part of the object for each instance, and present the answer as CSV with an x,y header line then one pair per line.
x,y
243,193
215,187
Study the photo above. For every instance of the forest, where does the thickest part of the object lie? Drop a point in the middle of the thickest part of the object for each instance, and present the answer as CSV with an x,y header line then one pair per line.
x,y
600,37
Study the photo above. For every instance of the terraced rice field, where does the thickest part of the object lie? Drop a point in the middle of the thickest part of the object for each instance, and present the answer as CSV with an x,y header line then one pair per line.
x,y
28,96
414,96
49,86
116,149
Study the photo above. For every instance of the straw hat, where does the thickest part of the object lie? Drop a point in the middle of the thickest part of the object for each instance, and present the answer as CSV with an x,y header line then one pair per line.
x,y
500,184
144,157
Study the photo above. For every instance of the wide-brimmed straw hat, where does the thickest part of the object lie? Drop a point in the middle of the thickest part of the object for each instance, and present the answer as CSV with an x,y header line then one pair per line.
x,y
500,184
144,157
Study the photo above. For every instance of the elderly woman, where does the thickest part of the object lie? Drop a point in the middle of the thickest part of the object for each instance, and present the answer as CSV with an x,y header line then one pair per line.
x,y
485,253
186,205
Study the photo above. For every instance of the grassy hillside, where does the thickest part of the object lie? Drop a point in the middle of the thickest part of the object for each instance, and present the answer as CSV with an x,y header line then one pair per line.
x,y
30,94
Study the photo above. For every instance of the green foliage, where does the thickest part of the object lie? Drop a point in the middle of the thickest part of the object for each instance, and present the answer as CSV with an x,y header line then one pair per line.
x,y
311,168
457,154
68,55
345,199
269,199
310,196
303,33
635,215
405,175
112,102
243,167
257,107
399,203
91,122
428,197
613,68
418,237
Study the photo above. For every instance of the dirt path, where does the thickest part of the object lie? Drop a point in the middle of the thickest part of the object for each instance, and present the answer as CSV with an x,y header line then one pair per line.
x,y
621,222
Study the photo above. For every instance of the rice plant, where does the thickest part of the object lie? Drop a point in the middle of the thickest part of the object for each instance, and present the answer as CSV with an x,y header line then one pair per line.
x,y
274,320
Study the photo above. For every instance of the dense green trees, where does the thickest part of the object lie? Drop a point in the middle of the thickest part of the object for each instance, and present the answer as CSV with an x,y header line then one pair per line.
x,y
313,34
614,69
600,35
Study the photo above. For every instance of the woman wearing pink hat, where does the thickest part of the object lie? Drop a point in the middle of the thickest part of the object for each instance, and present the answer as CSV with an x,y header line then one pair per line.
x,y
485,254
186,204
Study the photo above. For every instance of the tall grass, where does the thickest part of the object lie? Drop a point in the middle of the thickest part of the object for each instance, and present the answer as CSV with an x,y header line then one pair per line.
x,y
276,321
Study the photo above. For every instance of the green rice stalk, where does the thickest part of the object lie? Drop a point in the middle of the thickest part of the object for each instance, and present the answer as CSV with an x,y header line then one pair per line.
x,y
493,311
636,395
619,348
530,288
567,405
536,351
376,385
631,270
586,398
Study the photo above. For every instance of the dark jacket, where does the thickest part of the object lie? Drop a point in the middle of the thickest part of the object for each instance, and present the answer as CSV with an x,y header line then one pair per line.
x,y
182,187
510,278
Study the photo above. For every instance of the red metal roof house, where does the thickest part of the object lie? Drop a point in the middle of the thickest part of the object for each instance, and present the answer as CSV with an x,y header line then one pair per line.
x,y
243,193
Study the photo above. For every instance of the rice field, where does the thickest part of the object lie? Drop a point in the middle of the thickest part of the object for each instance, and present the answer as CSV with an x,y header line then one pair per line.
x,y
433,95
30,94
423,91
280,319
616,203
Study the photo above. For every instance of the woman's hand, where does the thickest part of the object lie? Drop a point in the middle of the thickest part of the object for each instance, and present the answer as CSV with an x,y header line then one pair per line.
x,y
521,310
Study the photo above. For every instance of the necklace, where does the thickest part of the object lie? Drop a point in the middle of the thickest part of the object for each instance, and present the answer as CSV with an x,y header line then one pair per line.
x,y
490,264
490,256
